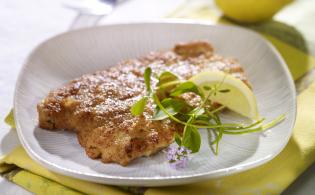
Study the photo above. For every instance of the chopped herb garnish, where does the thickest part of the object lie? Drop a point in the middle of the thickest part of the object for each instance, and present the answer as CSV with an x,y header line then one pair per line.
x,y
166,96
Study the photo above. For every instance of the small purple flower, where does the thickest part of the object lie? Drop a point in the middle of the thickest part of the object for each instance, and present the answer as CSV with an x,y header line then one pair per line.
x,y
178,156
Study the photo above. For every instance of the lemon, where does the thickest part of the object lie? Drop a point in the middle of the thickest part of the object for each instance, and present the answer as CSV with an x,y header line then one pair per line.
x,y
235,94
250,11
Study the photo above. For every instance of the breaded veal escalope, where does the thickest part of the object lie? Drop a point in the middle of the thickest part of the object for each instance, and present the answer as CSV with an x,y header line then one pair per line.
x,y
97,106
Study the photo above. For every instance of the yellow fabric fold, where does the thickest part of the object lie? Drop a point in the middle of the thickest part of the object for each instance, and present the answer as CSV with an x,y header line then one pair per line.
x,y
298,62
43,186
20,158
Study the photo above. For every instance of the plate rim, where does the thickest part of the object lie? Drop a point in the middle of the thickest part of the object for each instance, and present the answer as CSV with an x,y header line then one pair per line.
x,y
149,181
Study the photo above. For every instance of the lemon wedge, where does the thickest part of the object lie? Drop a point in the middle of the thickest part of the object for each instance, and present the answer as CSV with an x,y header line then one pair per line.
x,y
235,94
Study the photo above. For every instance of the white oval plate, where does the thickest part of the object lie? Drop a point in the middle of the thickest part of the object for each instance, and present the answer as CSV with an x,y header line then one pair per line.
x,y
72,54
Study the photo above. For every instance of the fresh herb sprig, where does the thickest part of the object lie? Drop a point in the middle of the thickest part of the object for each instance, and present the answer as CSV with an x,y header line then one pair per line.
x,y
166,96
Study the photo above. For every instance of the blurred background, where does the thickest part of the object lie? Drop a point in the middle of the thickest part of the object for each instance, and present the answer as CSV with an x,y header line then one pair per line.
x,y
24,24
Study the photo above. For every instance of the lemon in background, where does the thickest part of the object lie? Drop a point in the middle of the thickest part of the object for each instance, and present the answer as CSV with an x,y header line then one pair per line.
x,y
250,11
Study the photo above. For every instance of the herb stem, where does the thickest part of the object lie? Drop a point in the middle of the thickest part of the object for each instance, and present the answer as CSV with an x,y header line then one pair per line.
x,y
243,131
217,109
261,128
248,126
220,134
274,122
202,105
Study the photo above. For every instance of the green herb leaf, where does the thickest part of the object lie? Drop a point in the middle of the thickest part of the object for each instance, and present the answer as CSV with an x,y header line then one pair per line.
x,y
173,106
177,104
147,79
185,87
191,138
178,139
166,77
160,114
167,82
138,108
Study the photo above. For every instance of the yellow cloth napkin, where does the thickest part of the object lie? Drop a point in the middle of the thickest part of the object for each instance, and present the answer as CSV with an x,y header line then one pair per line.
x,y
38,184
270,178
39,180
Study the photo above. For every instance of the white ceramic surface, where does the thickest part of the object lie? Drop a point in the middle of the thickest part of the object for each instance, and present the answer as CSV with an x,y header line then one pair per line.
x,y
72,54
